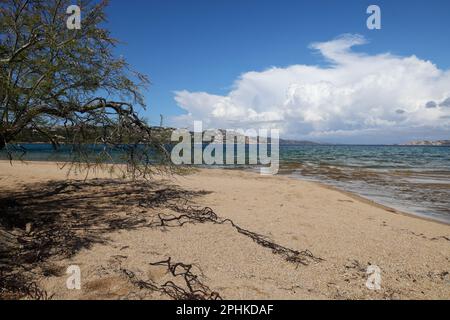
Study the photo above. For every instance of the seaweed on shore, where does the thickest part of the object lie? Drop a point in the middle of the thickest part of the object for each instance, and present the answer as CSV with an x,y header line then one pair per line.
x,y
12,287
191,214
192,288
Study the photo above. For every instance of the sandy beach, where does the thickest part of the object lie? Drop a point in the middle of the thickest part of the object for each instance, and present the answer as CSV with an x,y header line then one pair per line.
x,y
113,231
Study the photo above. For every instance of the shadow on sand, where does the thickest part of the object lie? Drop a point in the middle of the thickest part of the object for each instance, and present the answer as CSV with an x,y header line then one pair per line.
x,y
55,220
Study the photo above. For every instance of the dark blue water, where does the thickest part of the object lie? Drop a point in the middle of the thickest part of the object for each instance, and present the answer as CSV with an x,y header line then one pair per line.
x,y
414,179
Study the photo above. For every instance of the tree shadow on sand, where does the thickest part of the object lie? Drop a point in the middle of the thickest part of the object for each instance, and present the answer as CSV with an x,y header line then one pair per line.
x,y
55,220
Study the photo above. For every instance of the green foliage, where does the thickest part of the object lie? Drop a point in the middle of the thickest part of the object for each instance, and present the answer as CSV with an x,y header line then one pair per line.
x,y
51,76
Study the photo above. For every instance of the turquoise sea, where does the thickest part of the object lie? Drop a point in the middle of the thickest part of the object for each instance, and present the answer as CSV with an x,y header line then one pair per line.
x,y
414,179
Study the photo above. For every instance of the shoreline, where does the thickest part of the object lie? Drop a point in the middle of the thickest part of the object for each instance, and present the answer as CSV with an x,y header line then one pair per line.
x,y
351,194
379,205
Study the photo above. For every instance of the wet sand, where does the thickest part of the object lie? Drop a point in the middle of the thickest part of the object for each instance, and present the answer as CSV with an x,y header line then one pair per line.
x,y
345,231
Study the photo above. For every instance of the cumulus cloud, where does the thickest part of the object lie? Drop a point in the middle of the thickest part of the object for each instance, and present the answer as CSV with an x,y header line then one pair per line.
x,y
445,103
355,96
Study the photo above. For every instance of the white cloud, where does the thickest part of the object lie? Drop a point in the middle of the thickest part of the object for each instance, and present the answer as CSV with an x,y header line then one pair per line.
x,y
356,98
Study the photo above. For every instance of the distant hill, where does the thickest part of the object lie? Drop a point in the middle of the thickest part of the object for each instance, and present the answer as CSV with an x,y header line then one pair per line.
x,y
29,135
284,142
428,143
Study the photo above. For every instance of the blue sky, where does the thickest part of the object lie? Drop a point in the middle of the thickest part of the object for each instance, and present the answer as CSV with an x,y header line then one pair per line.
x,y
212,47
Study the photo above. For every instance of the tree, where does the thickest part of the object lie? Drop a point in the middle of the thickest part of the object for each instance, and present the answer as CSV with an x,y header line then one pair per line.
x,y
53,77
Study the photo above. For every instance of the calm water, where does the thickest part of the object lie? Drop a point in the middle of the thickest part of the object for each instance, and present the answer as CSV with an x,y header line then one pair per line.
x,y
413,179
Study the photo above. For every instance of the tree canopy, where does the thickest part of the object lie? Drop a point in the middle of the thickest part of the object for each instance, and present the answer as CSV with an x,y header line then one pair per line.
x,y
52,76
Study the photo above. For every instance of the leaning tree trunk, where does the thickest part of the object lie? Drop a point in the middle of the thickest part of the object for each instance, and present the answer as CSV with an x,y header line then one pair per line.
x,y
2,142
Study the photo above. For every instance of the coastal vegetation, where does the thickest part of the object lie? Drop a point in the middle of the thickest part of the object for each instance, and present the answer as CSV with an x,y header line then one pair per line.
x,y
66,86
